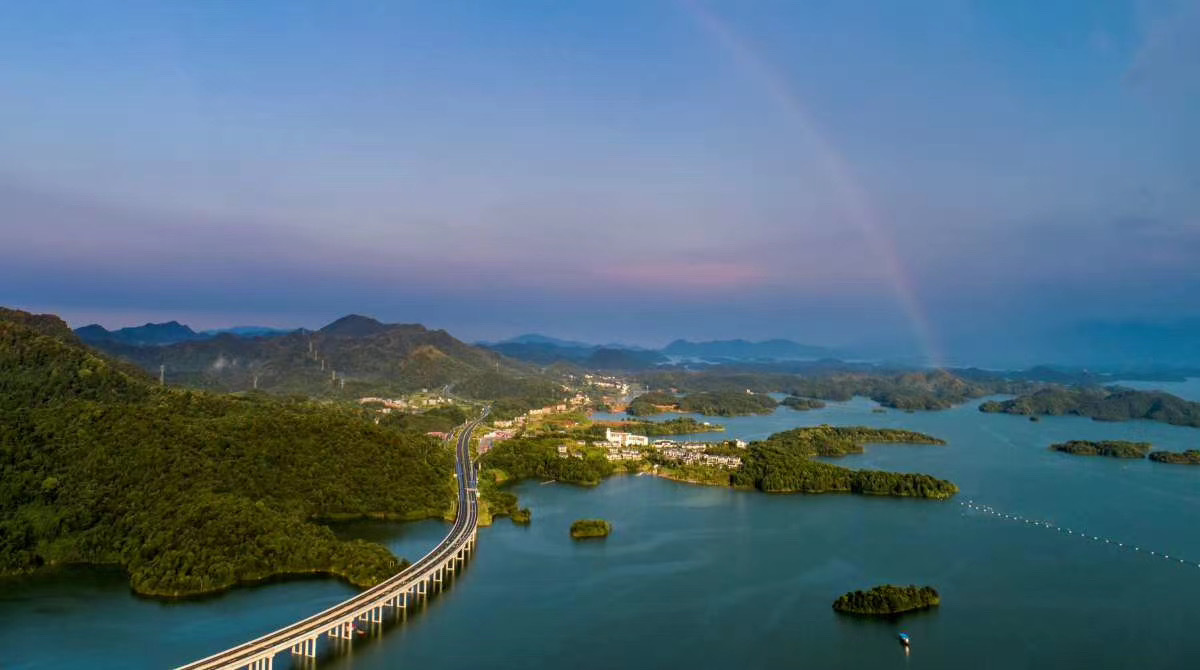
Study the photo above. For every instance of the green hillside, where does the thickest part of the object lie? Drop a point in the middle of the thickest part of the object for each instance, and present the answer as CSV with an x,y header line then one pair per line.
x,y
190,492
349,358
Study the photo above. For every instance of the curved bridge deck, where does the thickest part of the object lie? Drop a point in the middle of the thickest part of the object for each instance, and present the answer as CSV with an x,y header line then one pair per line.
x,y
408,586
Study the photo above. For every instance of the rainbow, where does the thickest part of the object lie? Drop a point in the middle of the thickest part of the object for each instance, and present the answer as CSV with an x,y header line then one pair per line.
x,y
850,193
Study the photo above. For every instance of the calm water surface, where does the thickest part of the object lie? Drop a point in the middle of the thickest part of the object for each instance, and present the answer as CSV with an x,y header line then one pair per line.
x,y
714,578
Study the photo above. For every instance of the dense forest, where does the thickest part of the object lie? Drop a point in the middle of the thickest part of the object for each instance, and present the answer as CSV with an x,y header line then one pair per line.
x,y
887,599
782,464
708,403
349,358
1189,457
1111,404
537,457
190,492
1112,448
684,425
826,440
653,402
801,404
439,419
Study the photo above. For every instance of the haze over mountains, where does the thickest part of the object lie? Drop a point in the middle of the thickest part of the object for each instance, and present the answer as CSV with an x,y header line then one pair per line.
x,y
544,350
228,354
165,333
354,354
356,349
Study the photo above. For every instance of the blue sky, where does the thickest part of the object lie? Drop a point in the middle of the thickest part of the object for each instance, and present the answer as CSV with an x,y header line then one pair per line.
x,y
833,172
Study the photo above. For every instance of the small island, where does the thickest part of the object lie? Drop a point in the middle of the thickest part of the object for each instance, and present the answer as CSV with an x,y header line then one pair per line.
x,y
589,528
1189,457
1111,448
886,600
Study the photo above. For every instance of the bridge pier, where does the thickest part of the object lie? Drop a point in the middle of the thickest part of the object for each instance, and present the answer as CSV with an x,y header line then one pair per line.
x,y
306,648
263,663
343,631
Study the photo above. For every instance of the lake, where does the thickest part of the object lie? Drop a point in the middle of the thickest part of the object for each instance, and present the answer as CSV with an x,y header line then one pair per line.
x,y
709,577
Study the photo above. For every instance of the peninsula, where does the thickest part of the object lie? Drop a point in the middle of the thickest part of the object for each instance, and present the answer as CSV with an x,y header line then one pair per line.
x,y
1111,404
1111,448
798,403
708,403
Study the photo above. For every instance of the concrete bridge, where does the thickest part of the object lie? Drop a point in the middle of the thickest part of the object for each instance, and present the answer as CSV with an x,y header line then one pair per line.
x,y
415,583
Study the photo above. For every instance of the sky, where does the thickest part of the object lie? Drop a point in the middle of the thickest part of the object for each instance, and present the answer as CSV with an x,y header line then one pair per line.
x,y
940,177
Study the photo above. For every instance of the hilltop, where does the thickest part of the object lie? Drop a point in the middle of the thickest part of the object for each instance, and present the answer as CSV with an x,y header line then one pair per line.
x,y
190,492
350,357
145,335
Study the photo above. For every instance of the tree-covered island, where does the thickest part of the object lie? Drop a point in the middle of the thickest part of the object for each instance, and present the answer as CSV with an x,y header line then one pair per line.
x,y
888,600
1189,457
1111,448
590,528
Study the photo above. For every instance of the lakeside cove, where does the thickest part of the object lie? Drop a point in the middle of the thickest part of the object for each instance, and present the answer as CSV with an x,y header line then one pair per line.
x,y
765,566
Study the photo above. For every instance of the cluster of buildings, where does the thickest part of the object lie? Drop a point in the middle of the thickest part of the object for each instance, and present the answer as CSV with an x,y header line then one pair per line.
x,y
616,385
406,404
489,440
574,402
614,439
689,455
618,446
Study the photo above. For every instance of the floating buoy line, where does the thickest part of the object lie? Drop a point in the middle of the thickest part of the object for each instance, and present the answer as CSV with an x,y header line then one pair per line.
x,y
1074,532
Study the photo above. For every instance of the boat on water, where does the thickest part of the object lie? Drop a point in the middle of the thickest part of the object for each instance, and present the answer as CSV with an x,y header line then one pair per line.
x,y
904,640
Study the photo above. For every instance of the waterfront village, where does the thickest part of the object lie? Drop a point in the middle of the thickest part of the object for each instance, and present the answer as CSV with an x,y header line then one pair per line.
x,y
618,446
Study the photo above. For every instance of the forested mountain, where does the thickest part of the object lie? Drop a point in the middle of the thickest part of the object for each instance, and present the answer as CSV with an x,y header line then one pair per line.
x,y
147,335
188,491
350,357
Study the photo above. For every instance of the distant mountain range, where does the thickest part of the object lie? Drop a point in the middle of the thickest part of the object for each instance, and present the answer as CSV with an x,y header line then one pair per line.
x,y
171,332
354,355
546,350
744,350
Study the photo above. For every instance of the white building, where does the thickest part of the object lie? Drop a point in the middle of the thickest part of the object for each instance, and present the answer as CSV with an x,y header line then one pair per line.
x,y
625,439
